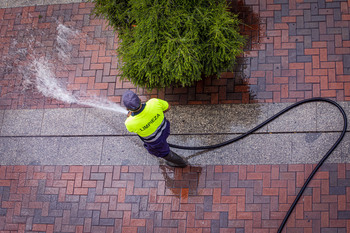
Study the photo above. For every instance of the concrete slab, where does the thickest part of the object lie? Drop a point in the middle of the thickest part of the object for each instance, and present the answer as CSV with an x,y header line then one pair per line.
x,y
37,150
22,122
347,111
22,3
8,146
50,2
2,112
345,147
63,122
302,118
126,151
311,147
3,4
19,3
267,148
254,149
101,137
224,155
101,122
79,150
225,118
329,118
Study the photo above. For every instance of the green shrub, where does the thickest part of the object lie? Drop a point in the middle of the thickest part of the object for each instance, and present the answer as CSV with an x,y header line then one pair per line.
x,y
172,42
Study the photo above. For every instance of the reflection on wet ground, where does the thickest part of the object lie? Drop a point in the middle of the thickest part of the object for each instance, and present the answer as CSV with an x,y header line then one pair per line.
x,y
182,182
287,57
250,27
250,22
90,69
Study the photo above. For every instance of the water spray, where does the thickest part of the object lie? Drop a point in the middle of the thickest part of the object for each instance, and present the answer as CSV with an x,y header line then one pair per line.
x,y
49,86
46,83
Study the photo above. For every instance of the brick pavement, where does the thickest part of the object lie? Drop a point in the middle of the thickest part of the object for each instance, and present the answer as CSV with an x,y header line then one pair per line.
x,y
298,49
158,199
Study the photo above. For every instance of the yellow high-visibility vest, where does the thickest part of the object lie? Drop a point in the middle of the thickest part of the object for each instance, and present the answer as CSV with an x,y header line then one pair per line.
x,y
148,121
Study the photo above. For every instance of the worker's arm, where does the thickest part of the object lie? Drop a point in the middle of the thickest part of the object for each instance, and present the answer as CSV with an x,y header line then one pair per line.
x,y
167,108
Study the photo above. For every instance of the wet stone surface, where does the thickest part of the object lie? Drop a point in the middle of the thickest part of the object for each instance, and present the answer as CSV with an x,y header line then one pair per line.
x,y
90,136
63,122
101,122
22,123
2,112
86,150
302,118
296,50
217,119
329,118
274,68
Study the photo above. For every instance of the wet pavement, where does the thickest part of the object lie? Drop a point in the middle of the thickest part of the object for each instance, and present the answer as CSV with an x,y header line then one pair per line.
x,y
295,50
86,136
69,168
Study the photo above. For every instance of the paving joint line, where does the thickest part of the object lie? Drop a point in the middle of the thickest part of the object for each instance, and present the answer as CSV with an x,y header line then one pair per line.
x,y
199,134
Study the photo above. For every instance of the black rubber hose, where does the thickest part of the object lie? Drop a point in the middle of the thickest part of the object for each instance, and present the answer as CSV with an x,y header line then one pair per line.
x,y
317,99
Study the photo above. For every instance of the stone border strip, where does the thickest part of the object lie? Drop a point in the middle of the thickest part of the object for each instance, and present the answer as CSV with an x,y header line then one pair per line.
x,y
23,3
94,137
191,120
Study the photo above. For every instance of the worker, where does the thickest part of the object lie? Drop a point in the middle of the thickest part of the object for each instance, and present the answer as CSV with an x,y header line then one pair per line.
x,y
148,121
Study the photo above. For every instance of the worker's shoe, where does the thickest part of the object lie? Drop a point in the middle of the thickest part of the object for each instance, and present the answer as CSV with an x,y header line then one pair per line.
x,y
174,160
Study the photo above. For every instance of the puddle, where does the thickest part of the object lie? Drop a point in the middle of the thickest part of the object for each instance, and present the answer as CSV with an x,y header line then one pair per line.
x,y
182,182
250,27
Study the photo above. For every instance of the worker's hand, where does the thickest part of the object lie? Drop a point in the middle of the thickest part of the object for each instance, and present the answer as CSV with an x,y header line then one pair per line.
x,y
167,109
129,114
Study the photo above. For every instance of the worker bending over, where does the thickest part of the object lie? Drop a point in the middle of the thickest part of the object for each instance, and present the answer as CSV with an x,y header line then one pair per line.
x,y
147,120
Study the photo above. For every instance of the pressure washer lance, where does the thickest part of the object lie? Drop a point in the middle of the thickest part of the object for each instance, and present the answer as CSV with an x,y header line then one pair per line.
x,y
316,99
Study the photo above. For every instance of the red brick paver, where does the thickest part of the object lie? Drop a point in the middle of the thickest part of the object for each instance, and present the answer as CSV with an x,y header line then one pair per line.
x,y
157,199
297,49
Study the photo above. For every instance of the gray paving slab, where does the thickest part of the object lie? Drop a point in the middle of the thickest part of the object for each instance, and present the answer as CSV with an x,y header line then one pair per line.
x,y
225,118
311,147
230,154
22,3
22,122
3,4
37,150
100,122
126,151
49,2
347,111
8,147
47,136
302,118
2,112
25,2
345,147
254,149
267,149
79,150
329,118
63,122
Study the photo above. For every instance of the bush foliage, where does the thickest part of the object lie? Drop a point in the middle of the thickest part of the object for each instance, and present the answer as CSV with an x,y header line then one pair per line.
x,y
172,42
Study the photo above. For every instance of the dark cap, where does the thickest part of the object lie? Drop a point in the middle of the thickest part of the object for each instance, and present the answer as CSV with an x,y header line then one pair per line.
x,y
131,100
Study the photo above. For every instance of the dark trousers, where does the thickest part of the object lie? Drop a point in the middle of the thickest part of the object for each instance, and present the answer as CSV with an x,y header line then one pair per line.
x,y
160,147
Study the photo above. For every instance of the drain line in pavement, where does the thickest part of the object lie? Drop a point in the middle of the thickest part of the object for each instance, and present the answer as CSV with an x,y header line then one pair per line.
x,y
317,99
